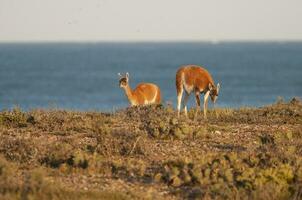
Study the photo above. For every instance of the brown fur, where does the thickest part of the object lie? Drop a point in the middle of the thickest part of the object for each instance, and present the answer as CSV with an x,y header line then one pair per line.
x,y
144,93
193,78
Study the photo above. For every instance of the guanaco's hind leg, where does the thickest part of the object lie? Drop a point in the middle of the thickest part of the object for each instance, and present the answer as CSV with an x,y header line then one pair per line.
x,y
197,98
205,104
186,98
179,96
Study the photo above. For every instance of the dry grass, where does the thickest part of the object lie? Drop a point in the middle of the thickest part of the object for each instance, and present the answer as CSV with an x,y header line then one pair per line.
x,y
246,153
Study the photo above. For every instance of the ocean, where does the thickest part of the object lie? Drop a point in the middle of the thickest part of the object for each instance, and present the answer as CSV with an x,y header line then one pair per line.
x,y
83,76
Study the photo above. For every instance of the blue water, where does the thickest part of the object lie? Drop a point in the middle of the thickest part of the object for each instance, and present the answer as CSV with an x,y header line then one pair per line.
x,y
83,76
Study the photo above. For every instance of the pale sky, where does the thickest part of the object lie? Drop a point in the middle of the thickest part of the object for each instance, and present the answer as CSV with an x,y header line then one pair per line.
x,y
150,20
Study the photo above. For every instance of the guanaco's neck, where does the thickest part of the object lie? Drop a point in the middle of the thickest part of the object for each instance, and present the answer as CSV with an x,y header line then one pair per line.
x,y
129,94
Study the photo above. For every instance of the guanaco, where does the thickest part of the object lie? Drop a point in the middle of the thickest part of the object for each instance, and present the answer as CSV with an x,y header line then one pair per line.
x,y
193,78
143,94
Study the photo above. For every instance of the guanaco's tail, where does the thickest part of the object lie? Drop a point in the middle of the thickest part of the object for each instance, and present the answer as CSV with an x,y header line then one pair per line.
x,y
158,97
179,81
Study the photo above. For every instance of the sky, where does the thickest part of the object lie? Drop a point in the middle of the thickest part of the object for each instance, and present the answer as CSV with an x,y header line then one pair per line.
x,y
150,20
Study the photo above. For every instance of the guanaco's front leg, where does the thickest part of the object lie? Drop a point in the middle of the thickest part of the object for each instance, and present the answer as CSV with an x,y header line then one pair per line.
x,y
197,98
205,104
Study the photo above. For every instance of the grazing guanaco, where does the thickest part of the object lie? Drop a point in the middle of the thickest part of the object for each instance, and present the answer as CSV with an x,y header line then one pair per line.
x,y
143,94
193,78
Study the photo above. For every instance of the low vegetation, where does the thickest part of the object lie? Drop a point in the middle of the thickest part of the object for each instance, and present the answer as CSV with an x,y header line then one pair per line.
x,y
148,153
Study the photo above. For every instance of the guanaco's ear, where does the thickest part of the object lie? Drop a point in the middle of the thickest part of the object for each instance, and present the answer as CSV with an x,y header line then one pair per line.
x,y
127,76
218,87
119,74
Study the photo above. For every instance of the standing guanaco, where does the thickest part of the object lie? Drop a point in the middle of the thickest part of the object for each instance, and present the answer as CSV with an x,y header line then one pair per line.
x,y
143,94
193,78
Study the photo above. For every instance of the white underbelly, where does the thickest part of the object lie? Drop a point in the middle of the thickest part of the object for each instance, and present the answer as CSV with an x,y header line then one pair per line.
x,y
188,88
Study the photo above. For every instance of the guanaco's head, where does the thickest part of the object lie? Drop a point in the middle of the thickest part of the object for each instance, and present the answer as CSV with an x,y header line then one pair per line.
x,y
214,91
123,82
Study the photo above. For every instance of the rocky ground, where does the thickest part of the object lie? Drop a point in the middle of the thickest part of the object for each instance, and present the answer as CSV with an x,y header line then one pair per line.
x,y
149,153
